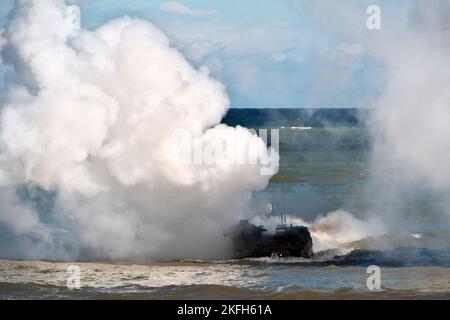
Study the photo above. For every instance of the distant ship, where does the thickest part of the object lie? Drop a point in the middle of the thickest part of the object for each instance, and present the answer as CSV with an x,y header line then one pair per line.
x,y
301,128
297,126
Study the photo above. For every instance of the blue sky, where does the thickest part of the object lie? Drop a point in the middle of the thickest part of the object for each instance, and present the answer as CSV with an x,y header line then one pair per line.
x,y
268,53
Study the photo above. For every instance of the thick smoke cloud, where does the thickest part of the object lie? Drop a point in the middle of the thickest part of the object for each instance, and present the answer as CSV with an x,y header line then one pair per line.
x,y
90,120
336,229
410,124
410,113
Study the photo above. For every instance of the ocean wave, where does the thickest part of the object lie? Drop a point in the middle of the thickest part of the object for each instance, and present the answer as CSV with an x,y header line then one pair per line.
x,y
399,257
30,291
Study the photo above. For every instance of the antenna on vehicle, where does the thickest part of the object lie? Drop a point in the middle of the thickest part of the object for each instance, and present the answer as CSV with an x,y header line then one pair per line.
x,y
283,214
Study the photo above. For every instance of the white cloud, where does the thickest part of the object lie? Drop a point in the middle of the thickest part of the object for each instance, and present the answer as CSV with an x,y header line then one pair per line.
x,y
196,51
177,7
2,40
279,57
351,49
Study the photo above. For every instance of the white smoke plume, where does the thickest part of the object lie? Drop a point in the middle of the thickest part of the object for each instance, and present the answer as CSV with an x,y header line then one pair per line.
x,y
333,230
90,120
410,123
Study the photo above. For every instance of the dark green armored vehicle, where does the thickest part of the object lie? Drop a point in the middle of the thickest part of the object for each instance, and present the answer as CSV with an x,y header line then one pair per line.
x,y
250,241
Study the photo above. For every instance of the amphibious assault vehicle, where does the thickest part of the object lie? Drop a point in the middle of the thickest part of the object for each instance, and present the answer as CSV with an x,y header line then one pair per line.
x,y
250,240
